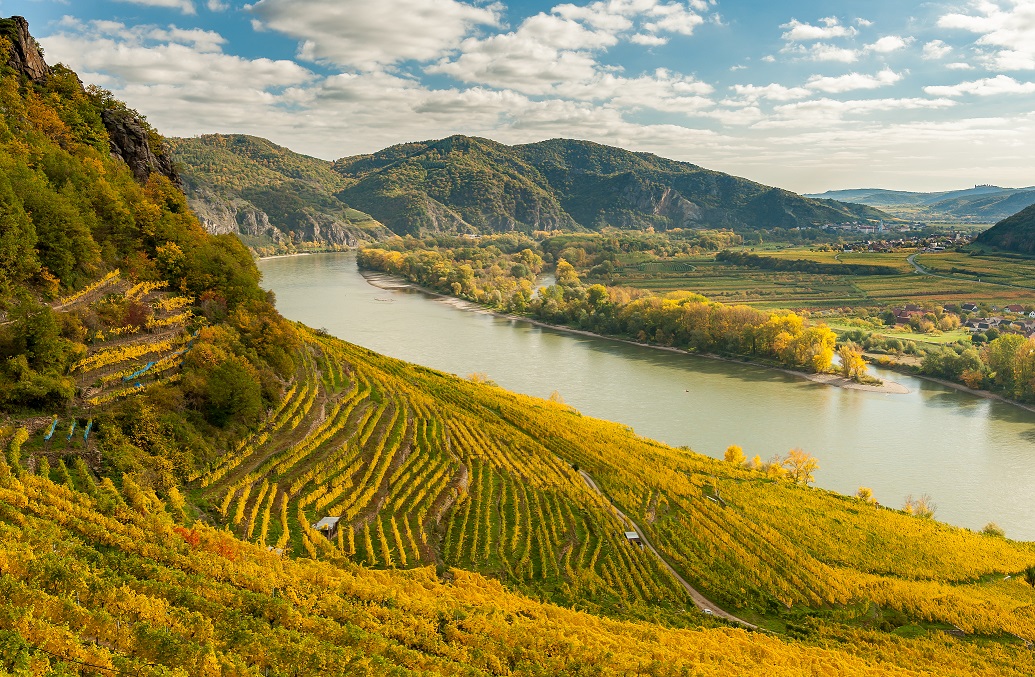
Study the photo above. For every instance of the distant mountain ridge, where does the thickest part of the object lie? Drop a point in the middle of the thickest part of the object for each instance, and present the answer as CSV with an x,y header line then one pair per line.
x,y
983,203
470,184
271,195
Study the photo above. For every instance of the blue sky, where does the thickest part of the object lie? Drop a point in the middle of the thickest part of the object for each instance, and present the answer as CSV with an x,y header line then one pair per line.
x,y
805,95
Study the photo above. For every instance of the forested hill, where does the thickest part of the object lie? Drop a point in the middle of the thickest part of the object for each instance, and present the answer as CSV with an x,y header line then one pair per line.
x,y
1015,233
476,185
274,199
192,485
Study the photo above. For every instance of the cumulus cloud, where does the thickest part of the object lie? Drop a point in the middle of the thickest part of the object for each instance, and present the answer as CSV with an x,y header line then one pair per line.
x,y
889,43
936,49
217,5
1006,26
185,6
557,53
822,51
1000,84
369,35
773,92
959,66
852,81
829,27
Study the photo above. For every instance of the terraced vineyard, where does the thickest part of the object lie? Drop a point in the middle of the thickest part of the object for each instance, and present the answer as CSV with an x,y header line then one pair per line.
x,y
415,480
423,469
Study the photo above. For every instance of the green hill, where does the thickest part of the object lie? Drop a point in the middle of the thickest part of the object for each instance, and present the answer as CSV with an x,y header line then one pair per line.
x,y
477,185
1015,233
275,199
172,447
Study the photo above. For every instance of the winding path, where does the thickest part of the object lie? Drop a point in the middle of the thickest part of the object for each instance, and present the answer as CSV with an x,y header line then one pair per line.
x,y
702,602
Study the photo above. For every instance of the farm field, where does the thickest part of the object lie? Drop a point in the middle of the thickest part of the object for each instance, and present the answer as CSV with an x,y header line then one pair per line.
x,y
1008,278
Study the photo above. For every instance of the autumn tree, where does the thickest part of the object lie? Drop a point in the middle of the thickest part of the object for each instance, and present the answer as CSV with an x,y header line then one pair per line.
x,y
735,455
865,494
800,466
923,506
852,366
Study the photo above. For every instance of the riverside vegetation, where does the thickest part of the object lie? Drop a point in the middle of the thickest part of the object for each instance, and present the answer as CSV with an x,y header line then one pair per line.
x,y
499,271
173,535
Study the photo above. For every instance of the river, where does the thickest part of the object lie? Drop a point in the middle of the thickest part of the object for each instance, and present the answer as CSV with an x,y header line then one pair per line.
x,y
975,457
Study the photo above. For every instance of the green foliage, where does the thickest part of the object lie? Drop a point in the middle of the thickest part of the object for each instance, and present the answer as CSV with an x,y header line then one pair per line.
x,y
803,265
461,184
1015,233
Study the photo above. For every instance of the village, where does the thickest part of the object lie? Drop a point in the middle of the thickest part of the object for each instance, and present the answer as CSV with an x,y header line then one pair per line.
x,y
981,319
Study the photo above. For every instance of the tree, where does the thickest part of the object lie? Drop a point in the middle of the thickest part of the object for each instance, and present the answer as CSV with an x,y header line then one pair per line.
x,y
800,466
993,529
1029,576
735,455
853,366
865,494
922,507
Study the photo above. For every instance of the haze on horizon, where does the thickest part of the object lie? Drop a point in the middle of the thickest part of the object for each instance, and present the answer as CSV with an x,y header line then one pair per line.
x,y
808,95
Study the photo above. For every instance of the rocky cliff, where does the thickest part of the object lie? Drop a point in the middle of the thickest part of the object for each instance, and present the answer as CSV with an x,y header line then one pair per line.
x,y
26,56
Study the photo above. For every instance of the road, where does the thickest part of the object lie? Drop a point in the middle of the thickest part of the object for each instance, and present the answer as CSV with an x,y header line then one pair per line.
x,y
699,600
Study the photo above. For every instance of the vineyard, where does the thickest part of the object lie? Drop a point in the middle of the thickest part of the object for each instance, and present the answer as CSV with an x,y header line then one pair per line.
x,y
413,480
416,468
142,342
103,580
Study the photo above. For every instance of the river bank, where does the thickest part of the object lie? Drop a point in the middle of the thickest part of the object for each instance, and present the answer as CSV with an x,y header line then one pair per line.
x,y
988,395
389,282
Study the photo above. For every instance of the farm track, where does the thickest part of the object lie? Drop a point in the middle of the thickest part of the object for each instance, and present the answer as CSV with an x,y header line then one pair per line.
x,y
700,601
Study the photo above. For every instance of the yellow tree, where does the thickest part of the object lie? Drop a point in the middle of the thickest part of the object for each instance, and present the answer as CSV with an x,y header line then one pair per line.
x,y
735,455
853,366
800,466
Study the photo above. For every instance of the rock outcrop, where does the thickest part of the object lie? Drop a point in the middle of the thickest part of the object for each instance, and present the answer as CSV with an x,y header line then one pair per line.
x,y
26,56
130,142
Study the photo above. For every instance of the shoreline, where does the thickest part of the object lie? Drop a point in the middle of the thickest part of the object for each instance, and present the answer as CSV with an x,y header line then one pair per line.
x,y
986,394
389,282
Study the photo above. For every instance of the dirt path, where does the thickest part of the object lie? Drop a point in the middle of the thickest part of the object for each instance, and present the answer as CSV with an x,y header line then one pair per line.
x,y
702,602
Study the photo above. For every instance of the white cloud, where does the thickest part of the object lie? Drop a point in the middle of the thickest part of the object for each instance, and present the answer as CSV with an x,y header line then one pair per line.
x,y
217,5
773,92
1008,26
822,51
368,35
185,6
959,66
556,54
852,81
889,43
936,49
648,39
865,23
830,27
1000,84
826,112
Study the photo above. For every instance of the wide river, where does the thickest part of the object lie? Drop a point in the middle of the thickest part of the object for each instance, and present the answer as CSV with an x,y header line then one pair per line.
x,y
975,457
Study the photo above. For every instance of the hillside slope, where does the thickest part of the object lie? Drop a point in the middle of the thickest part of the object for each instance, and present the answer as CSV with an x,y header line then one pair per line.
x,y
275,199
476,185
1015,233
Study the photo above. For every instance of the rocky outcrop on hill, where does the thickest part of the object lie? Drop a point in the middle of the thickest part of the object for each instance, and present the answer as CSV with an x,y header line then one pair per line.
x,y
131,142
26,56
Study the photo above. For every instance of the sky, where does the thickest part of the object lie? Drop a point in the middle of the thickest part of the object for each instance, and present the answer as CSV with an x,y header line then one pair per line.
x,y
802,94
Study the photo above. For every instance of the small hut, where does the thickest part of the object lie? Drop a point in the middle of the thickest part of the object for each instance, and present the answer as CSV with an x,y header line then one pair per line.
x,y
328,526
634,537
